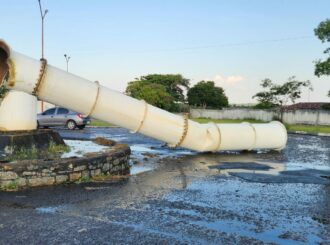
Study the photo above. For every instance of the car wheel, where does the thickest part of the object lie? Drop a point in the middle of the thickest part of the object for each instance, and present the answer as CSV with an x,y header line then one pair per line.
x,y
71,125
38,125
81,126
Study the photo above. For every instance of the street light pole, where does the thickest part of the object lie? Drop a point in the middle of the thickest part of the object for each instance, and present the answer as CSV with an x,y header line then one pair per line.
x,y
42,14
67,59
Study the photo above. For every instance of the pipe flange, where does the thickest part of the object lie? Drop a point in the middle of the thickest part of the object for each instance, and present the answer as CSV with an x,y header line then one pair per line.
x,y
96,98
219,140
145,111
184,132
255,135
41,77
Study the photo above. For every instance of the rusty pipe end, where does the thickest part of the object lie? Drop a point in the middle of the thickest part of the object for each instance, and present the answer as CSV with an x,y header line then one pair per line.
x,y
4,62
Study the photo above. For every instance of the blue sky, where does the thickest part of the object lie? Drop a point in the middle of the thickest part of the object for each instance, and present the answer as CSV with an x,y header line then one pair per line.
x,y
236,43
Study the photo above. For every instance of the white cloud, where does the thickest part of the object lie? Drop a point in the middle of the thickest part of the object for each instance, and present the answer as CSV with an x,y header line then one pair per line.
x,y
234,79
228,80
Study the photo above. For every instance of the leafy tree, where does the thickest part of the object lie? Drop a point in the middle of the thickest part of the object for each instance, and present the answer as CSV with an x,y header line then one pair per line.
x,y
173,83
323,33
279,95
154,94
265,98
206,94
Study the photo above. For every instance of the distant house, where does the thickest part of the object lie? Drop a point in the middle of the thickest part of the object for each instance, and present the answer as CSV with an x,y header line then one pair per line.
x,y
305,106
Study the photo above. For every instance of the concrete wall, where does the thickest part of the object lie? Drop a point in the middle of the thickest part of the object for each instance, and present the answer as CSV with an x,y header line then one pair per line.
x,y
317,117
265,115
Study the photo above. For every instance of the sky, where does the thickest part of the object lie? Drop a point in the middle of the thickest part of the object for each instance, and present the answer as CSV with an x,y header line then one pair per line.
x,y
235,43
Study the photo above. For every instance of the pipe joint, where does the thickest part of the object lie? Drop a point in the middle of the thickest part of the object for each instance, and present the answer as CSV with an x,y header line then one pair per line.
x,y
4,62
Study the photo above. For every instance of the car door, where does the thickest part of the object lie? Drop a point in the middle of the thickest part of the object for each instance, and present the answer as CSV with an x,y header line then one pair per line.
x,y
61,116
47,117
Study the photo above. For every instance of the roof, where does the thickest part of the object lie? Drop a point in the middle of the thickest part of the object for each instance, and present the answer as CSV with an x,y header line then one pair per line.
x,y
305,106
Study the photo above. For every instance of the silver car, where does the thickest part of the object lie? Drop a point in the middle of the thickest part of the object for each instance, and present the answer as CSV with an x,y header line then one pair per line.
x,y
59,116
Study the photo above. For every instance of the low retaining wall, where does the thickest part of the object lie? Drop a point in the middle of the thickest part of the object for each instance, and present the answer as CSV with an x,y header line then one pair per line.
x,y
312,117
30,173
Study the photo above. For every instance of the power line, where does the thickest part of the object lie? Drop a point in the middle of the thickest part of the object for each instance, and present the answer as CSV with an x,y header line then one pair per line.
x,y
215,45
246,43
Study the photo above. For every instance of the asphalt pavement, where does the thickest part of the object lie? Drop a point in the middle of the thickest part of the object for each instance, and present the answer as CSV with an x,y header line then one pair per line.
x,y
177,196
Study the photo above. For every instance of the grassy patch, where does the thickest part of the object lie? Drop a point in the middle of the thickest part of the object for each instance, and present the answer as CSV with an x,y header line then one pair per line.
x,y
24,154
289,127
83,179
97,123
12,186
54,148
207,120
308,128
53,151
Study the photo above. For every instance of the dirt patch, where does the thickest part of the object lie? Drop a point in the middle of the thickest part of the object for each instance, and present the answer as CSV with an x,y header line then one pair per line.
x,y
104,141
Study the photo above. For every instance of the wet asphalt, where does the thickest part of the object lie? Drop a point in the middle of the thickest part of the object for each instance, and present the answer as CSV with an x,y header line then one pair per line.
x,y
176,196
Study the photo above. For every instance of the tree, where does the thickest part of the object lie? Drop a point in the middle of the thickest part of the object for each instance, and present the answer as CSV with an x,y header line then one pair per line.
x,y
279,95
206,94
173,83
323,33
154,94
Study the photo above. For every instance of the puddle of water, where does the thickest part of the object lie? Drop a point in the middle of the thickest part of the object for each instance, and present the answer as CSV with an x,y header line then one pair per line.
x,y
248,230
317,165
142,149
139,149
80,147
47,210
137,169
249,167
262,222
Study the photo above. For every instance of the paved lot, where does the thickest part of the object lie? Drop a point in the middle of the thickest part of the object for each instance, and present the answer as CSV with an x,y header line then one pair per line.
x,y
184,198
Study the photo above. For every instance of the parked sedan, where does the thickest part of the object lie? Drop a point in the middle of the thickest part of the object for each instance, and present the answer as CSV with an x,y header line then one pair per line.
x,y
59,116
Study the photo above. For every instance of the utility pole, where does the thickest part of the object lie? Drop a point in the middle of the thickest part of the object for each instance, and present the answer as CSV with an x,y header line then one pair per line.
x,y
43,15
67,59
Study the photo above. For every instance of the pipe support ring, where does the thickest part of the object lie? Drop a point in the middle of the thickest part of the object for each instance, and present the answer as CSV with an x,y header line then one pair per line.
x,y
219,138
255,136
184,132
41,77
96,98
145,111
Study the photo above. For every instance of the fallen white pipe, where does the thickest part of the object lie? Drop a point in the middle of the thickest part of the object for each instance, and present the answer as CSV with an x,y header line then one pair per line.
x,y
18,111
62,88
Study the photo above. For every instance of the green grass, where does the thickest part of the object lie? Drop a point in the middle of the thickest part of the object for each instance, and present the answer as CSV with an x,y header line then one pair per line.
x,y
207,120
290,127
303,128
13,185
54,148
97,123
308,128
